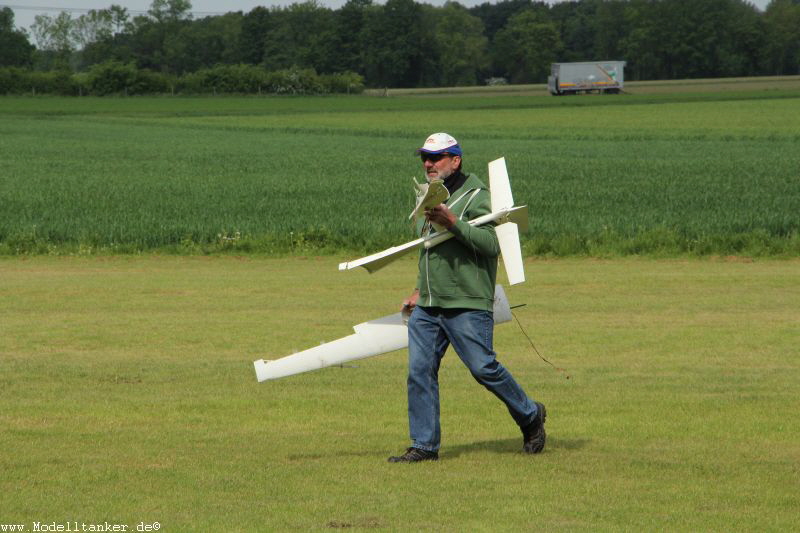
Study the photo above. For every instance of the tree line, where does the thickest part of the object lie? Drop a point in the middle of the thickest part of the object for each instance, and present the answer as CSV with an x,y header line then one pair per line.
x,y
307,47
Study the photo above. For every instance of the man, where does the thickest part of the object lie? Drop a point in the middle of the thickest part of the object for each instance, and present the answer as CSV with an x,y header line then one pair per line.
x,y
452,304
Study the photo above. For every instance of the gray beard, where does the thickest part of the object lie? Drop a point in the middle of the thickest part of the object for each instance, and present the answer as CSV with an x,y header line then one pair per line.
x,y
443,176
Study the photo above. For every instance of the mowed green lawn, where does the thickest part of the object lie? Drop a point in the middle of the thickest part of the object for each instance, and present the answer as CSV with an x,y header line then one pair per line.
x,y
128,396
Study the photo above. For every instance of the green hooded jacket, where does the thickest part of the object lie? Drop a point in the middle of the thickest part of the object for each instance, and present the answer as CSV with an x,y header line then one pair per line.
x,y
461,272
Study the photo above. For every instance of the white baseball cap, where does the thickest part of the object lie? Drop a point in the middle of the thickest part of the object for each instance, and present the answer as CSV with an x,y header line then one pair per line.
x,y
440,143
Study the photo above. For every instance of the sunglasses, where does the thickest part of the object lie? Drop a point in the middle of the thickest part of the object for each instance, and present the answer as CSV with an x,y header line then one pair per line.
x,y
433,157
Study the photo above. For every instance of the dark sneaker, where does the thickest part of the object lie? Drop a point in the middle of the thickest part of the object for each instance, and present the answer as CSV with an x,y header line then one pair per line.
x,y
533,435
415,455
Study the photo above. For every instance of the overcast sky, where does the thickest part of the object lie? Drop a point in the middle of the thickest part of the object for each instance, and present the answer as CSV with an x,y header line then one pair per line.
x,y
26,10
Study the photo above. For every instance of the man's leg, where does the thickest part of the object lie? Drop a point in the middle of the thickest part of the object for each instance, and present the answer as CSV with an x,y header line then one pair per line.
x,y
472,333
427,343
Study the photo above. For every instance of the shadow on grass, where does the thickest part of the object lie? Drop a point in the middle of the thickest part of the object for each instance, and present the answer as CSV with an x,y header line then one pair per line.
x,y
508,446
499,446
319,456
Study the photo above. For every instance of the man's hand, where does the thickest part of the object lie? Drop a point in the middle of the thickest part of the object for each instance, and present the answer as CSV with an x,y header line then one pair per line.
x,y
411,302
441,215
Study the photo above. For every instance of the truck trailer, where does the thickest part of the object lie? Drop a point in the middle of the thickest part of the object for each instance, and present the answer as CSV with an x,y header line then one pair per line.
x,y
587,76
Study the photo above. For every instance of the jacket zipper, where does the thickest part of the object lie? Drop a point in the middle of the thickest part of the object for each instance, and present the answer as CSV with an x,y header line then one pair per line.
x,y
429,228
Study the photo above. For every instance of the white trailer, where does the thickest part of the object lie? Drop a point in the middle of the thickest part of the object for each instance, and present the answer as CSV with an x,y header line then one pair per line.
x,y
588,76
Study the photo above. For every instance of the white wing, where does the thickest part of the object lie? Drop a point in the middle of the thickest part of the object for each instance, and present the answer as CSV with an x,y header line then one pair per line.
x,y
376,337
379,260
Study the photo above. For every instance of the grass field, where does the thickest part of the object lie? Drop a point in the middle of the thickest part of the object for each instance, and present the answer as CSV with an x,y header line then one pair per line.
x,y
659,173
128,396
127,392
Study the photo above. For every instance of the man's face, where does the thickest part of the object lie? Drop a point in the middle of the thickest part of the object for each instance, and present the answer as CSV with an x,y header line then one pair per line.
x,y
440,166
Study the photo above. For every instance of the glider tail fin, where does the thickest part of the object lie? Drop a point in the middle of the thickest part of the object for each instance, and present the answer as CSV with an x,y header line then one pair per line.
x,y
508,237
499,185
507,233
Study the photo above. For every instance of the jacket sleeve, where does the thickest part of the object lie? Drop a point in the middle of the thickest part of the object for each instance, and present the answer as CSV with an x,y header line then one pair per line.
x,y
481,239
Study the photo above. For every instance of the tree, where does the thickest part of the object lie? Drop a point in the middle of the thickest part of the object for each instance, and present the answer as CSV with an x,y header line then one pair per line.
x,y
349,45
204,43
119,18
167,11
577,25
150,35
743,52
94,26
611,29
703,38
673,39
402,43
782,20
112,38
399,50
55,39
53,33
15,49
302,35
255,26
526,47
463,49
495,15
641,45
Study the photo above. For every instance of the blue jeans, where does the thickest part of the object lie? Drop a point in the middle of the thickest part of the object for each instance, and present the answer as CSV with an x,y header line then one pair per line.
x,y
430,331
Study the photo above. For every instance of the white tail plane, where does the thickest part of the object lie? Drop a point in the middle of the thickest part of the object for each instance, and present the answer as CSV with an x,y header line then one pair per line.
x,y
510,221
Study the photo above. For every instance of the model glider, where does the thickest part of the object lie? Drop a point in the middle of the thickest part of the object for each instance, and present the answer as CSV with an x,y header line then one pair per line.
x,y
429,195
509,220
376,337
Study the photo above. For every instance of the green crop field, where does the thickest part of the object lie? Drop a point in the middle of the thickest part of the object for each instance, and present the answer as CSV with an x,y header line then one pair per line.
x,y
128,396
665,174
